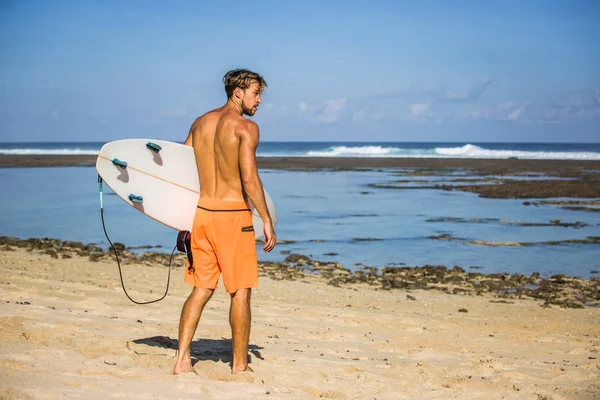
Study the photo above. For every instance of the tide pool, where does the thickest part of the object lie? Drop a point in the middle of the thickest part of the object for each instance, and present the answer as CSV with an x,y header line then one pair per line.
x,y
327,216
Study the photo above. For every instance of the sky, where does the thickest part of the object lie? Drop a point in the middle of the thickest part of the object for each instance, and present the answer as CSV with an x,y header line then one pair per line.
x,y
452,71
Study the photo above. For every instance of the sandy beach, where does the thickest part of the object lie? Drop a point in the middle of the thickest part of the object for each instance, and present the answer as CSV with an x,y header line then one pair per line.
x,y
68,331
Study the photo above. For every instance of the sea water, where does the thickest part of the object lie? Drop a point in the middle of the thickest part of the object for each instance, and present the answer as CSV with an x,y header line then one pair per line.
x,y
327,215
542,151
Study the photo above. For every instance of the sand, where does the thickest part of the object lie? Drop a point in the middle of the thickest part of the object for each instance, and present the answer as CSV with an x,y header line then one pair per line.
x,y
68,331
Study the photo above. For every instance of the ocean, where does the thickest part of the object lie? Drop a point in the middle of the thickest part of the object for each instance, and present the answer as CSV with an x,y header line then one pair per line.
x,y
331,215
541,151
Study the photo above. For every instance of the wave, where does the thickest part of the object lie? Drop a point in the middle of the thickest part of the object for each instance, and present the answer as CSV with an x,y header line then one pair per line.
x,y
49,152
370,151
466,151
360,151
472,151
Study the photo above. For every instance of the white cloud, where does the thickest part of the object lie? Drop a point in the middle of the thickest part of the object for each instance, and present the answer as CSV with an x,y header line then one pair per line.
x,y
331,110
516,113
419,111
470,94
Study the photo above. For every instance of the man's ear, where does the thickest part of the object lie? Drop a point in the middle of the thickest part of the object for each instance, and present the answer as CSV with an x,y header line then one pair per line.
x,y
238,93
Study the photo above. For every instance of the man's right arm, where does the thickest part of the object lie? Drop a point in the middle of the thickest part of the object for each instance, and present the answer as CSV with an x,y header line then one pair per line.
x,y
253,187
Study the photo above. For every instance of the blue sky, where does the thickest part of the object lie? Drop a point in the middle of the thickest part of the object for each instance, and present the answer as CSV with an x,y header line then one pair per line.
x,y
465,71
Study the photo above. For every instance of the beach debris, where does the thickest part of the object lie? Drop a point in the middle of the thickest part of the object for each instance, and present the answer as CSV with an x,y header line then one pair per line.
x,y
556,222
558,290
563,183
297,259
463,310
446,236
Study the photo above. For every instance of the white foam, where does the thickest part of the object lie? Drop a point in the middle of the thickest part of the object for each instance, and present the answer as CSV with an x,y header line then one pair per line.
x,y
49,152
466,151
362,151
472,151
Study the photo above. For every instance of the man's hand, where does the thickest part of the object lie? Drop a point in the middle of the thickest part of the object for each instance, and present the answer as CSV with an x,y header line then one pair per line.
x,y
270,237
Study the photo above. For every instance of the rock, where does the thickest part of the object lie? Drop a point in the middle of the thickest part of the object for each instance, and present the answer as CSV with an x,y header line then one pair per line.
x,y
297,258
463,310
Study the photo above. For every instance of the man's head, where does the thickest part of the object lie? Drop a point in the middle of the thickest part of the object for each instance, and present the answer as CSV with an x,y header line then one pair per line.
x,y
246,87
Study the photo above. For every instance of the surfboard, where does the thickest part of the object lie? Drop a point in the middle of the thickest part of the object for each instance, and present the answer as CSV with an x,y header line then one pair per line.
x,y
160,179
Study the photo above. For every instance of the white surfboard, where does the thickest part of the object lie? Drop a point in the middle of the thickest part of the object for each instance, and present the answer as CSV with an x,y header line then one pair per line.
x,y
160,179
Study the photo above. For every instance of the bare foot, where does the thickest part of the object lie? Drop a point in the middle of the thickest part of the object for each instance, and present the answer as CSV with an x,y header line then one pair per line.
x,y
183,365
236,371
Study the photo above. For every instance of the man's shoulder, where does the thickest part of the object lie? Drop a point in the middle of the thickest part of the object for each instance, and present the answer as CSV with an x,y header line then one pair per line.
x,y
248,126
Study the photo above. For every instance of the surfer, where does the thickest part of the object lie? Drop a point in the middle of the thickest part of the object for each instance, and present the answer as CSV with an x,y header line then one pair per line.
x,y
223,240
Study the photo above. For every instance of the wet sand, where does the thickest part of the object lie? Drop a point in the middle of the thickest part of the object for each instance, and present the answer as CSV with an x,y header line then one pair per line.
x,y
487,166
68,331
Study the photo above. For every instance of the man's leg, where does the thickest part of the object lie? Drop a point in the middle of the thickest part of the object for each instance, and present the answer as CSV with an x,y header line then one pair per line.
x,y
190,315
239,319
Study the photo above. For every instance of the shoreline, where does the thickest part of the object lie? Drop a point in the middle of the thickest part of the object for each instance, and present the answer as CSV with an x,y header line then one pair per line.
x,y
556,290
561,178
69,332
484,165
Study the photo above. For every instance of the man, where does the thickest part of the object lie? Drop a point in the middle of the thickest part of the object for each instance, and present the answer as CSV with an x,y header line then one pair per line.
x,y
223,238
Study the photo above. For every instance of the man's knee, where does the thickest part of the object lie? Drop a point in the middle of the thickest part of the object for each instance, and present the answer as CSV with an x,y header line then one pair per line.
x,y
199,293
241,295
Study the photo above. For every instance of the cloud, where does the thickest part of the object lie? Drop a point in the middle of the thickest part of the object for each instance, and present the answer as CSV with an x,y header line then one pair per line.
x,y
419,111
442,107
331,111
465,95
516,113
571,107
55,114
328,111
509,110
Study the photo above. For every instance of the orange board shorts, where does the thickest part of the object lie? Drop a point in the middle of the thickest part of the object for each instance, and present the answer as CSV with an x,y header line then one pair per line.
x,y
223,242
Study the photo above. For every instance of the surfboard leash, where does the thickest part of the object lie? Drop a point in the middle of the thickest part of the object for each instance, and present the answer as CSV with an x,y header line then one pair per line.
x,y
117,256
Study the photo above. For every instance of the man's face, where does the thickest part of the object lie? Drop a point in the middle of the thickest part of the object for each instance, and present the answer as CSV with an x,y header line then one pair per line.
x,y
251,99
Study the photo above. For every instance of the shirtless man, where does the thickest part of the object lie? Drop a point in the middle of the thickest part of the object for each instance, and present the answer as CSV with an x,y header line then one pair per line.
x,y
223,238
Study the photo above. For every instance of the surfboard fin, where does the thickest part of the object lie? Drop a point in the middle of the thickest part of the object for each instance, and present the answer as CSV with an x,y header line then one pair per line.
x,y
118,163
136,199
154,147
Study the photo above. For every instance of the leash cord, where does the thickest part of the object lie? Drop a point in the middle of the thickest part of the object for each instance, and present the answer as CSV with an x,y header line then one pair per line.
x,y
119,262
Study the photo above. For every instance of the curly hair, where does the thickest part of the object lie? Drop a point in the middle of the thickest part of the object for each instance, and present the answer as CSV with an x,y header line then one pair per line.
x,y
242,78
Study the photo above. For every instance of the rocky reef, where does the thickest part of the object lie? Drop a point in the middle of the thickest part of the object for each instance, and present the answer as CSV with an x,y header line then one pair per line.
x,y
557,290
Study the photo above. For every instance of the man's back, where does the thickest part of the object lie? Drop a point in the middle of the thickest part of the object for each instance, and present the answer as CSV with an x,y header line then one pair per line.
x,y
216,143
